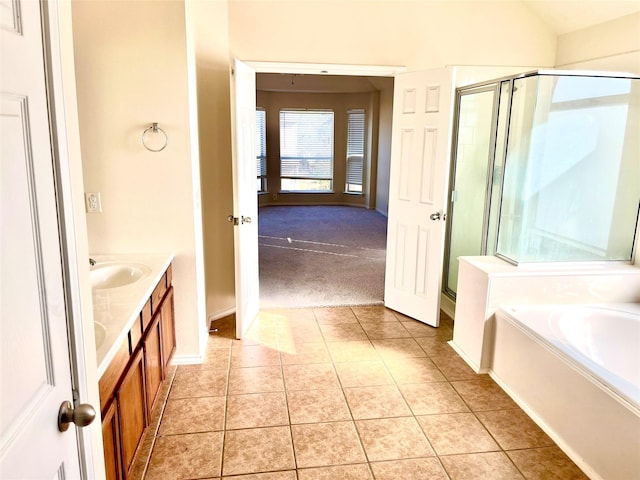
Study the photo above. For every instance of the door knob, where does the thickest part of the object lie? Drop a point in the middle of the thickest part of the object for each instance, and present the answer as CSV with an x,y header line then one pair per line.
x,y
435,216
82,415
246,219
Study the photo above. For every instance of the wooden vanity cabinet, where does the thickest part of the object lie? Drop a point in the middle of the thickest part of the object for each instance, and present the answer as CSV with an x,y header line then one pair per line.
x,y
132,411
168,329
111,443
152,345
130,386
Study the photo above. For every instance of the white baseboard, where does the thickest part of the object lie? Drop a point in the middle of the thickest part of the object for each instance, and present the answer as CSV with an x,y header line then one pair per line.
x,y
187,360
447,305
221,314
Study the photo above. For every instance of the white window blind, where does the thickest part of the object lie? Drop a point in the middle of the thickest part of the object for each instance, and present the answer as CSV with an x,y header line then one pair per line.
x,y
306,149
355,150
261,148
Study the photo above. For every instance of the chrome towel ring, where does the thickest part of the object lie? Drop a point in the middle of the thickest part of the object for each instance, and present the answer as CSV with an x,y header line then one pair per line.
x,y
157,144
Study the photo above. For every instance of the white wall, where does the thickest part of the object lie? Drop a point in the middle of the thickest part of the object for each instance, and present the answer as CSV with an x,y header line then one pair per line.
x,y
131,70
611,46
418,35
207,24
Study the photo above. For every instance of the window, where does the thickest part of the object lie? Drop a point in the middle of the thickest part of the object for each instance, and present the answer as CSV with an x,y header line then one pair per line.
x,y
306,150
261,149
355,151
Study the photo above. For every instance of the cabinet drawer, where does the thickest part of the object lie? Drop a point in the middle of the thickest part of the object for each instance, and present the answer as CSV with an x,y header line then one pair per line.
x,y
158,294
169,276
135,334
146,315
109,379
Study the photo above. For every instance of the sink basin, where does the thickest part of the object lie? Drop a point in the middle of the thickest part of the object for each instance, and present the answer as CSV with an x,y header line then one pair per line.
x,y
117,274
100,332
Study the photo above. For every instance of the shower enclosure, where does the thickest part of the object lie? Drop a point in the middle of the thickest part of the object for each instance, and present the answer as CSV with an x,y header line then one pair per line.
x,y
545,168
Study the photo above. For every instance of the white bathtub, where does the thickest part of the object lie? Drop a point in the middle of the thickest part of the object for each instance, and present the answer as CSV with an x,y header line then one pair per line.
x,y
576,370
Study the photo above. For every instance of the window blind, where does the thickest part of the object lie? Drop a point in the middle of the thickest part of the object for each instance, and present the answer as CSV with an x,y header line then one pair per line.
x,y
355,150
306,144
261,142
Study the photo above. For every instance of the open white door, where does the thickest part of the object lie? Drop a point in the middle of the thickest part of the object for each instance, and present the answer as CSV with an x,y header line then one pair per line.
x,y
420,152
245,197
35,375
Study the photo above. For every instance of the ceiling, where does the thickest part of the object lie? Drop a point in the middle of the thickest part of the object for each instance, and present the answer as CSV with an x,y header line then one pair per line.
x,y
565,16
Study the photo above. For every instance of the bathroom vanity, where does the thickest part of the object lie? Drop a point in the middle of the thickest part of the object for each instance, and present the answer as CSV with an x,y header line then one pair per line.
x,y
135,340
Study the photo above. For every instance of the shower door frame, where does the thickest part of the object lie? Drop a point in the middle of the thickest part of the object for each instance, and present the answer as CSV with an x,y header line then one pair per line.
x,y
492,85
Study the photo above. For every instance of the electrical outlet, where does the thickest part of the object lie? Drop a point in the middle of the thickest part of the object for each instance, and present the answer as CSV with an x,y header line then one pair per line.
x,y
93,202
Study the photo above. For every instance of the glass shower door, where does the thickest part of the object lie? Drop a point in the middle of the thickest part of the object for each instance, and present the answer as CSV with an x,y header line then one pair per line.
x,y
471,174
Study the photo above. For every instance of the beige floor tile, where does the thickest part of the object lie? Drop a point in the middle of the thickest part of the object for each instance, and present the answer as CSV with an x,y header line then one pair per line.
x,y
413,370
374,314
513,429
480,466
334,316
343,332
192,415
314,406
397,348
324,444
432,398
393,439
341,472
217,357
454,433
257,450
195,455
435,346
254,356
288,475
198,381
256,410
376,402
453,367
414,469
353,351
548,463
483,394
293,314
255,380
304,353
293,335
362,374
308,377
221,339
419,329
385,330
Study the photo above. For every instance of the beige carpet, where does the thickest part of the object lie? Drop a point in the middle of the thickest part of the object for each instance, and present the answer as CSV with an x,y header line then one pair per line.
x,y
321,256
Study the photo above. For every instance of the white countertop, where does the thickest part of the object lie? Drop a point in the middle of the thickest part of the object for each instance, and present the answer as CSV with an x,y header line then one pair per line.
x,y
497,267
118,308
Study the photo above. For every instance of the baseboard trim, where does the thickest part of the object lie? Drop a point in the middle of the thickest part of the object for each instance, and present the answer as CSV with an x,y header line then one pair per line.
x,y
187,359
221,314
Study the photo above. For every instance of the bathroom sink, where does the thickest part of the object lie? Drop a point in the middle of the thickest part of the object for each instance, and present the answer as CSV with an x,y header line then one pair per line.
x,y
100,332
117,274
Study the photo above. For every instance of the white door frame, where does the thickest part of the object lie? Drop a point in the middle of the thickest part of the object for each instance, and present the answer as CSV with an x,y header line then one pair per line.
x,y
58,42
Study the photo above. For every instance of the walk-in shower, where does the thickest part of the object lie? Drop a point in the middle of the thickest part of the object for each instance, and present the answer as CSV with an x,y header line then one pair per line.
x,y
545,168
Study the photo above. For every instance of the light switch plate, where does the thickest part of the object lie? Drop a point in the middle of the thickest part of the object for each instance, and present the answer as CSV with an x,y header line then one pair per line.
x,y
93,202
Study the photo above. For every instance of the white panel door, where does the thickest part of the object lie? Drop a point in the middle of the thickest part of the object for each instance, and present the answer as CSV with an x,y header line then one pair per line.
x,y
420,152
245,196
35,373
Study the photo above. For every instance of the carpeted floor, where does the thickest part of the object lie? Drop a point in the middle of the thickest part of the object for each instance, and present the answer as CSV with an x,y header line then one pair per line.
x,y
316,256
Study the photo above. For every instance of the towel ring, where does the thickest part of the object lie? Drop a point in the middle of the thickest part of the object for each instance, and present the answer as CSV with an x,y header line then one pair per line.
x,y
154,128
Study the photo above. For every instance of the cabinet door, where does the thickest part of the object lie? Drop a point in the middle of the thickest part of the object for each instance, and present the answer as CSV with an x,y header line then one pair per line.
x,y
168,329
111,443
132,410
153,362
